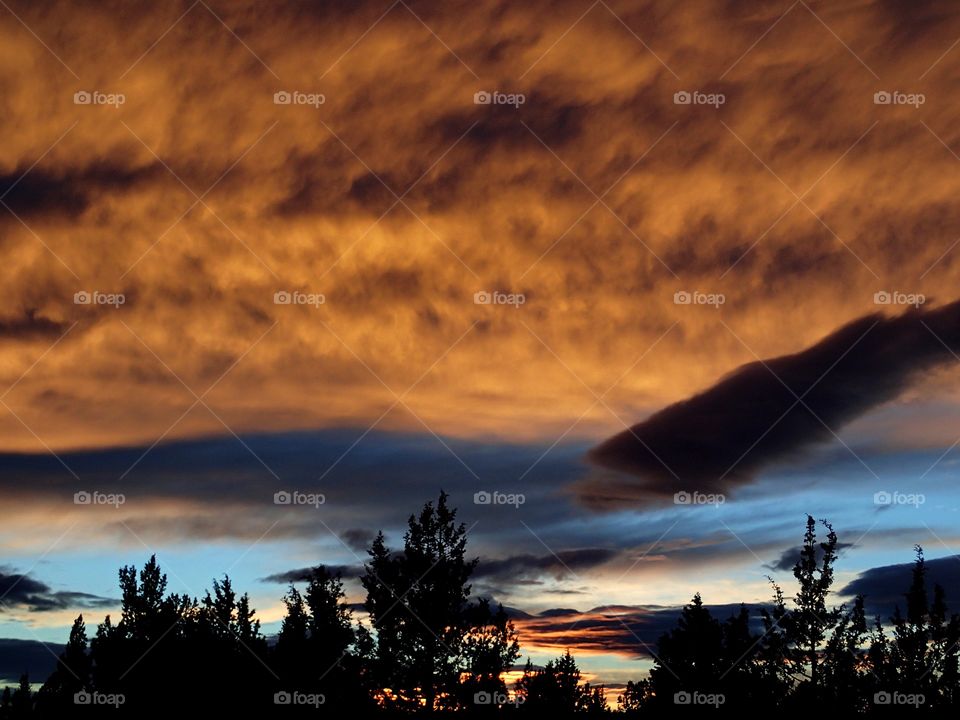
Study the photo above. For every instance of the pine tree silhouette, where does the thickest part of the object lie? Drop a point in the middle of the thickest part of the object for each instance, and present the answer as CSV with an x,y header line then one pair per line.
x,y
556,689
431,646
417,602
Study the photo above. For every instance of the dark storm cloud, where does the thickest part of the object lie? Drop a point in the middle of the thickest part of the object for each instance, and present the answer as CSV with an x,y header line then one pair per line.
x,y
21,592
884,587
722,437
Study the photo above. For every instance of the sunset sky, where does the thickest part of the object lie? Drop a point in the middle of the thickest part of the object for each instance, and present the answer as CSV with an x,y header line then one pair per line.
x,y
720,240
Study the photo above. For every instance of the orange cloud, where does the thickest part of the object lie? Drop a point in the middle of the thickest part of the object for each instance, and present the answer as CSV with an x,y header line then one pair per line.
x,y
397,198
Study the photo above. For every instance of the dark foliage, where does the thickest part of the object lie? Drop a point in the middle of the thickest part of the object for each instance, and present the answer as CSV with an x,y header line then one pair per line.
x,y
432,647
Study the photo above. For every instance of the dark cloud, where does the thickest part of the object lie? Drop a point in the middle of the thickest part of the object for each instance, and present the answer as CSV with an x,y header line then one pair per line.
x,y
751,419
358,539
625,629
303,574
29,325
558,566
512,570
884,587
22,592
69,192
211,473
38,659
790,557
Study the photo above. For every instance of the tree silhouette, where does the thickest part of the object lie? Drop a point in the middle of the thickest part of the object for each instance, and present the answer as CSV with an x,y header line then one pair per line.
x,y
702,657
18,704
417,602
921,655
488,650
317,647
810,654
71,676
555,689
812,618
431,646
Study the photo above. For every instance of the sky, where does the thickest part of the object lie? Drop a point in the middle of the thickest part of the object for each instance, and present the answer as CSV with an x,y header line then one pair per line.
x,y
659,278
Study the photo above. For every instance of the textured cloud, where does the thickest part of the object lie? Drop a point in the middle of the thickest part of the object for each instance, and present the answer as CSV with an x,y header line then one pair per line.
x,y
772,409
398,198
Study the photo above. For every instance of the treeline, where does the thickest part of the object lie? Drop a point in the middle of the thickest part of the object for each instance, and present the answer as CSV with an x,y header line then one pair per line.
x,y
427,645
808,653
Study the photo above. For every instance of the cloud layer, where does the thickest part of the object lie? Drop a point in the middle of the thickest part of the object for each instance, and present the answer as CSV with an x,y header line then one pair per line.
x,y
398,199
